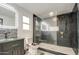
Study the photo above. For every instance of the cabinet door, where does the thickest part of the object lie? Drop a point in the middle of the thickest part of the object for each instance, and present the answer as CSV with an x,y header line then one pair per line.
x,y
16,51
14,48
17,48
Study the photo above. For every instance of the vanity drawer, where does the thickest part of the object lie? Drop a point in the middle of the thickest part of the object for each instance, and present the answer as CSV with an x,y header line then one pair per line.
x,y
8,45
14,47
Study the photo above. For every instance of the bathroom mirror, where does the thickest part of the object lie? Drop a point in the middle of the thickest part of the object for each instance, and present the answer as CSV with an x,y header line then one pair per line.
x,y
7,16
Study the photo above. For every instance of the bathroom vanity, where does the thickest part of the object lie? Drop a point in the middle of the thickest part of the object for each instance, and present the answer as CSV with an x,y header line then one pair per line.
x,y
12,47
9,44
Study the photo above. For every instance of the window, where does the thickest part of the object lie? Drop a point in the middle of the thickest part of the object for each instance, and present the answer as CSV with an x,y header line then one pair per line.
x,y
25,23
44,26
54,28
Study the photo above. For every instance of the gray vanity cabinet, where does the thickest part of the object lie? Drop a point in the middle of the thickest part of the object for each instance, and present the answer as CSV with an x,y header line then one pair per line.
x,y
12,48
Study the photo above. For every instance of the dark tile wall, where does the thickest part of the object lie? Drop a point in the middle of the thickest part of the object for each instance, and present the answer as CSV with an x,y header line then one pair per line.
x,y
12,33
68,24
75,40
65,23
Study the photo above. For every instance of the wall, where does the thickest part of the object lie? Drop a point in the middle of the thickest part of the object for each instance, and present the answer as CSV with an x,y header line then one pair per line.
x,y
22,12
67,25
50,36
27,34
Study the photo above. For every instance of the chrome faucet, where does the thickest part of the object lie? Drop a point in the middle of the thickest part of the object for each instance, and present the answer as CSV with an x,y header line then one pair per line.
x,y
6,35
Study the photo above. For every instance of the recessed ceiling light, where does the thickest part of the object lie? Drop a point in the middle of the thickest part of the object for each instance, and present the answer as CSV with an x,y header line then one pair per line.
x,y
51,14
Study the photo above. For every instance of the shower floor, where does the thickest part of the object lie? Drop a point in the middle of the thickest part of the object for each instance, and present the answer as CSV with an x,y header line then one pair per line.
x,y
55,48
49,49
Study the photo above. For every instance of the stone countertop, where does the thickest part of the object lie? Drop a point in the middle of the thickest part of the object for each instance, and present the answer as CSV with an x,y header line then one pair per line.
x,y
9,40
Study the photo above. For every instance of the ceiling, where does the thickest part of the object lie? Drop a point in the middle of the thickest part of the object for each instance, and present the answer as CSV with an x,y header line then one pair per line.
x,y
42,9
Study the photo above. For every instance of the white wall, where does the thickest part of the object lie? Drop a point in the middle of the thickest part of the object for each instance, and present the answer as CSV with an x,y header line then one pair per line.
x,y
22,12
